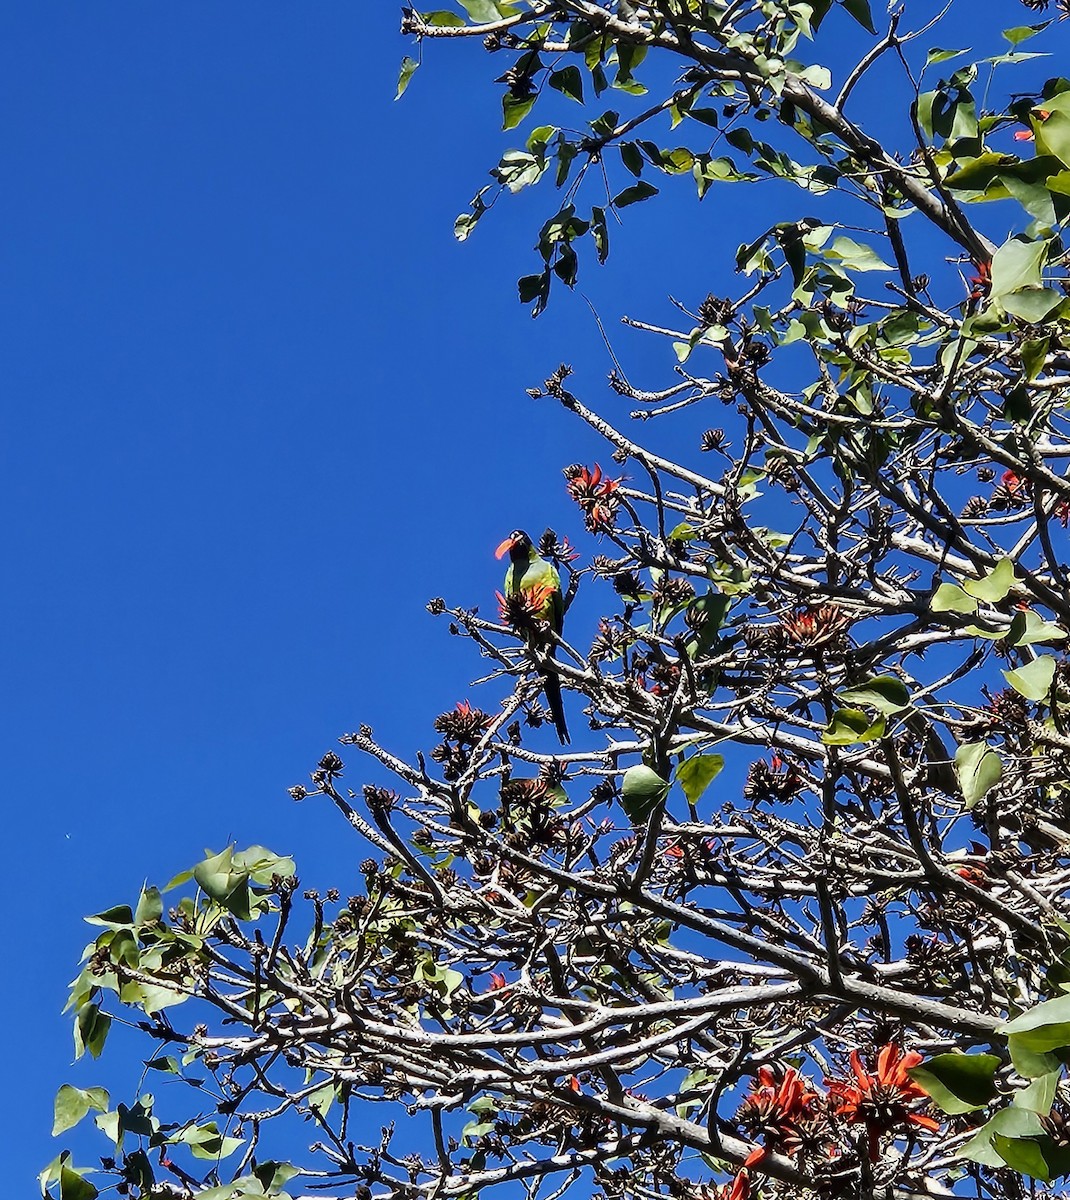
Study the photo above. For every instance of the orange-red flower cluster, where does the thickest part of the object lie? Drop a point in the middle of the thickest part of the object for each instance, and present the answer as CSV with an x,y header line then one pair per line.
x,y
1013,491
814,627
783,1109
790,1116
531,604
595,494
883,1100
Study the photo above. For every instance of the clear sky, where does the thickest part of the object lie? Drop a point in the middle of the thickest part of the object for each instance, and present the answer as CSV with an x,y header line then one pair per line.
x,y
258,407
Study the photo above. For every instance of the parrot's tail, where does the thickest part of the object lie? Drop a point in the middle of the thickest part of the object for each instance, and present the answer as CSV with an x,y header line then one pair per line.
x,y
552,687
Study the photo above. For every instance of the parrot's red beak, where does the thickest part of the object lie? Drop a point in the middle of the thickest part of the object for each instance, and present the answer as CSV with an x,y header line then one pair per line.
x,y
505,547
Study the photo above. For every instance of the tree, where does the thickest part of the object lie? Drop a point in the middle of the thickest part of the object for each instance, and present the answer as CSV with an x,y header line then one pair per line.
x,y
790,916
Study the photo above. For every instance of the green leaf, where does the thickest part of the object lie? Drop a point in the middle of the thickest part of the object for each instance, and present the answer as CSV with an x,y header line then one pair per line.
x,y
1033,354
165,1062
1043,1028
1053,131
994,586
274,1176
206,1142
149,906
568,81
978,769
90,1031
1007,1123
977,174
1022,33
817,76
517,169
1017,264
248,1187
697,773
322,1098
223,881
1029,628
119,917
949,597
959,1083
854,256
1032,1064
940,56
851,725
634,194
137,1170
1033,681
1023,1155
515,109
632,157
216,876
408,69
1039,1096
73,1186
704,116
993,633
641,792
443,19
885,693
482,12
534,289
262,865
72,1104
151,998
859,9
1031,304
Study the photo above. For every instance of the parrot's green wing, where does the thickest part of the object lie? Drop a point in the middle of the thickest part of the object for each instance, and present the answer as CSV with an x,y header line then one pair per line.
x,y
542,574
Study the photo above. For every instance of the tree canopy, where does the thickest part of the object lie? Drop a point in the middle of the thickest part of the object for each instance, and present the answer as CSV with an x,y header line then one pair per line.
x,y
789,915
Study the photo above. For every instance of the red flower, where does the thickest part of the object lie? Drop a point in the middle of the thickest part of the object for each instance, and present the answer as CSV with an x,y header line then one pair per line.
x,y
1012,491
1026,135
594,494
982,281
784,1110
1014,483
497,980
882,1101
814,627
975,876
532,604
738,1189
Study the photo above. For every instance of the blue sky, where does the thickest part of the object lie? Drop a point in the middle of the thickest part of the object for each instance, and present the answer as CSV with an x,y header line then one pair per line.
x,y
259,407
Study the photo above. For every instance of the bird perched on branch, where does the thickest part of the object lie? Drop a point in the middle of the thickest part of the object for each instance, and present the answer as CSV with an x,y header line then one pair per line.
x,y
533,592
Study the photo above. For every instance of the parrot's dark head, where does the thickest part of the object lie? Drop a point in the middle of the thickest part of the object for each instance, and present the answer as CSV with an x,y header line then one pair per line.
x,y
517,545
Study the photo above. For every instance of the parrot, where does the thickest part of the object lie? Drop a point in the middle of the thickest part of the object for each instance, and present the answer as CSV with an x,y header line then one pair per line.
x,y
529,573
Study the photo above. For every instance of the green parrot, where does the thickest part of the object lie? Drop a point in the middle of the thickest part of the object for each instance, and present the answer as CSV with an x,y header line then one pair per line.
x,y
531,575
